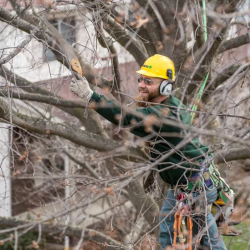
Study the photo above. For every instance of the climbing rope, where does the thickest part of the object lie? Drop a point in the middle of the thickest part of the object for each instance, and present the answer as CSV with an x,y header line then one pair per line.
x,y
197,101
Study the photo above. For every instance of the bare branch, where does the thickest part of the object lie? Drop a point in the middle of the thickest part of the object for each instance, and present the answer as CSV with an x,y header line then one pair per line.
x,y
121,35
234,43
19,48
84,165
71,133
53,100
204,56
92,124
233,154
106,42
47,36
47,228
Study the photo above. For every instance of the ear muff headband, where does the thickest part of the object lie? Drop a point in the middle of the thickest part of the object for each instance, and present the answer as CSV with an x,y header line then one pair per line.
x,y
166,87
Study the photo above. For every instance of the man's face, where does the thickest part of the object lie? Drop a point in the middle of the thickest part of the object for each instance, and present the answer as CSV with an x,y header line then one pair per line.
x,y
148,89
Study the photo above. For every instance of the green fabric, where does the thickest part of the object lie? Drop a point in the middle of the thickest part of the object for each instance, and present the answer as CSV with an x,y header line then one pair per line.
x,y
193,151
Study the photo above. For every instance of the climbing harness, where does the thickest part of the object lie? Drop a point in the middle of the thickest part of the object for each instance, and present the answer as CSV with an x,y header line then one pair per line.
x,y
188,207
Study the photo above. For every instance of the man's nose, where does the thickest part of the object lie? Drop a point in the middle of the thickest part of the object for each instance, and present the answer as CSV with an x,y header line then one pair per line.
x,y
142,84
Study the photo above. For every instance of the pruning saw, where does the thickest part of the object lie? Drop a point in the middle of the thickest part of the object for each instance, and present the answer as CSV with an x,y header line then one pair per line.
x,y
67,49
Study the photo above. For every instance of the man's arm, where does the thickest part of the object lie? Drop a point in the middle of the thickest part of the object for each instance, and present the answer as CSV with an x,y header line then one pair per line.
x,y
113,112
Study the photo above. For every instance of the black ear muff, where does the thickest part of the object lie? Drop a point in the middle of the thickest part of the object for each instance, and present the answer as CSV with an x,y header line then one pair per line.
x,y
165,87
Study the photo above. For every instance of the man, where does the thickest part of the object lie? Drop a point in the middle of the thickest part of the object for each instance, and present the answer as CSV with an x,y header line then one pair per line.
x,y
179,155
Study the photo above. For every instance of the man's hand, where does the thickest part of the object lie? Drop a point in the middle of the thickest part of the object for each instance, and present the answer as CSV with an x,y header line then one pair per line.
x,y
81,88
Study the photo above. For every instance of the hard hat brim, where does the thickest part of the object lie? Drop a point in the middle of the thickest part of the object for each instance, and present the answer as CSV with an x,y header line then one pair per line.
x,y
150,74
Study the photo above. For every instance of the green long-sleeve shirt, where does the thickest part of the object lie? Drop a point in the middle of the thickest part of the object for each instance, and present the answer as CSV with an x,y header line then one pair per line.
x,y
164,137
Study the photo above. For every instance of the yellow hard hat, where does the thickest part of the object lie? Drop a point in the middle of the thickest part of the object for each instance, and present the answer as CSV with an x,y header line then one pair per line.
x,y
158,66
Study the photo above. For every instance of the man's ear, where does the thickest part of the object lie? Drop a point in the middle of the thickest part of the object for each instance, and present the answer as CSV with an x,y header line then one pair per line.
x,y
166,87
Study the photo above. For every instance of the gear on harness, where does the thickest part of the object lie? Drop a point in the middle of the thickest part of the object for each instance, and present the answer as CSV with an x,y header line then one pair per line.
x,y
222,208
181,231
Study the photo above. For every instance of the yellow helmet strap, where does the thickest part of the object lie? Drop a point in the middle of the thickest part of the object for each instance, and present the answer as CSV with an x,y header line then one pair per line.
x,y
166,88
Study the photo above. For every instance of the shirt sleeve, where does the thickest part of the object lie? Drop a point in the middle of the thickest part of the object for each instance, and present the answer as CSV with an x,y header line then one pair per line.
x,y
140,124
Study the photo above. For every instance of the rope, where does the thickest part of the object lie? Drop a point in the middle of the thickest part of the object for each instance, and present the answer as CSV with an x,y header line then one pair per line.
x,y
197,101
176,218
190,232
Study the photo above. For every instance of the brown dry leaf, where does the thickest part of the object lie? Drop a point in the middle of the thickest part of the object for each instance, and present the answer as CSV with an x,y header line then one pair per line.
x,y
133,122
149,122
165,112
189,63
16,172
93,189
118,117
220,9
126,143
92,105
119,19
159,46
135,6
109,191
106,26
91,157
39,158
106,90
133,23
141,22
105,244
22,157
35,245
213,124
169,29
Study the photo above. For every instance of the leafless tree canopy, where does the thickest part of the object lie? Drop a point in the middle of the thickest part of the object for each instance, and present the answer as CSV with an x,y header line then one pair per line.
x,y
79,176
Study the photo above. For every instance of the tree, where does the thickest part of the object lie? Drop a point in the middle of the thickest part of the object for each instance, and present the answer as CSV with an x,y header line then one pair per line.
x,y
172,28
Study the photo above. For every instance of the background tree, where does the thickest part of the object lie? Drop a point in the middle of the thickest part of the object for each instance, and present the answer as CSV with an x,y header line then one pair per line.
x,y
109,167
